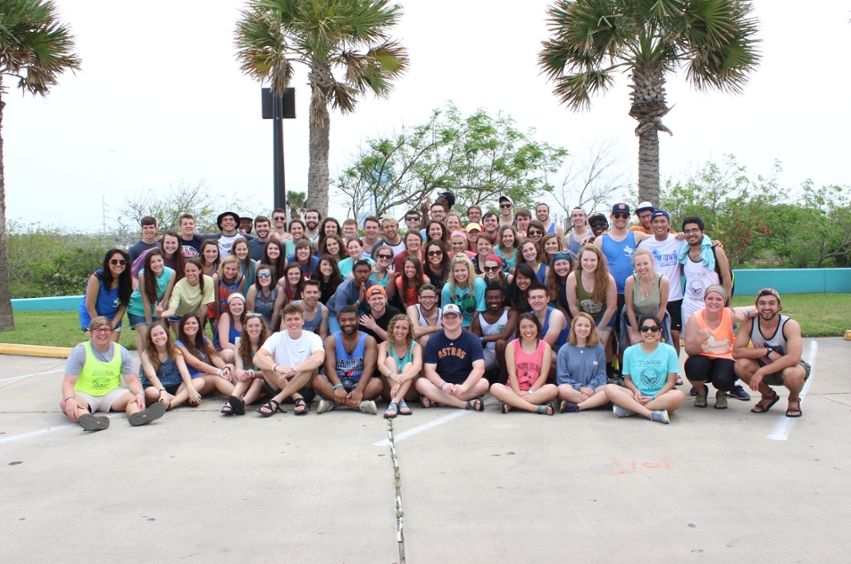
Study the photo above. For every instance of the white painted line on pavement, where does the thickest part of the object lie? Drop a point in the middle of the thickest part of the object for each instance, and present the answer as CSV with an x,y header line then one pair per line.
x,y
784,426
31,375
35,433
426,426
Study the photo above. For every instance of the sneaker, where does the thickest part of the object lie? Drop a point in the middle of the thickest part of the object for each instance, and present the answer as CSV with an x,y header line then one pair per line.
x,y
325,405
568,407
368,406
739,393
151,413
621,411
660,417
692,391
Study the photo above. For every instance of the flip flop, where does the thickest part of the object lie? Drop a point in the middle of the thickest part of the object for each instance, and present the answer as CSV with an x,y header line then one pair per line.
x,y
151,413
90,422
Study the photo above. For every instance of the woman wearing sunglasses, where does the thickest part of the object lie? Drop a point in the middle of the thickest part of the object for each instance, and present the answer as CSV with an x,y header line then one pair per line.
x,y
649,374
108,292
436,265
264,296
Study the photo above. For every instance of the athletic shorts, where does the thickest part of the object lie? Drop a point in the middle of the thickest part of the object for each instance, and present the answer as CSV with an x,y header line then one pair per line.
x,y
104,402
776,378
675,309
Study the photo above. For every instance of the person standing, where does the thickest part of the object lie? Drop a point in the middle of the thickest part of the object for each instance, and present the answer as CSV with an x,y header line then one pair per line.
x,y
258,244
542,212
149,238
506,207
580,232
312,218
190,242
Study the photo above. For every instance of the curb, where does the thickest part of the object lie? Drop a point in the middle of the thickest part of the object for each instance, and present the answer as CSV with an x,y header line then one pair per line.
x,y
35,350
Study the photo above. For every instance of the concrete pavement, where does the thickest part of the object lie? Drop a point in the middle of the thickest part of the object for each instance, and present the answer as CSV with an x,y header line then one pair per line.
x,y
196,486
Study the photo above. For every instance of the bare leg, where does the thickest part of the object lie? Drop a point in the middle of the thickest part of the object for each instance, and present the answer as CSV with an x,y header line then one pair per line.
x,y
436,395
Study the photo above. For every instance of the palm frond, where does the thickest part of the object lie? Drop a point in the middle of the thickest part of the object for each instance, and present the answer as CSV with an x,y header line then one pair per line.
x,y
575,90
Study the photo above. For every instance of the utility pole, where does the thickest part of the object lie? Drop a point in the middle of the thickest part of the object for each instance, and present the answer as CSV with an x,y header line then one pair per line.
x,y
278,108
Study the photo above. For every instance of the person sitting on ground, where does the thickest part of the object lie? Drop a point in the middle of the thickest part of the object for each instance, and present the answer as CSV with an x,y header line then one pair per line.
x,y
314,312
229,329
208,371
165,376
108,292
454,366
289,360
774,360
191,294
264,296
425,315
495,327
351,292
250,384
528,359
350,378
156,282
650,372
92,382
400,361
581,370
380,313
709,343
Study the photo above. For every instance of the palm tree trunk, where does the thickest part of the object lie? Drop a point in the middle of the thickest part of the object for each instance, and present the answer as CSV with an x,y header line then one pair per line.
x,y
319,144
648,107
7,319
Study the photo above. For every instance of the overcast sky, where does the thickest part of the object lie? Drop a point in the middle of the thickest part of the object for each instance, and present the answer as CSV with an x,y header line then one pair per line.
x,y
160,100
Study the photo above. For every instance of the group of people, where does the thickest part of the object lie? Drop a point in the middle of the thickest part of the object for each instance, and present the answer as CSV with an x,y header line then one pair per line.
x,y
442,313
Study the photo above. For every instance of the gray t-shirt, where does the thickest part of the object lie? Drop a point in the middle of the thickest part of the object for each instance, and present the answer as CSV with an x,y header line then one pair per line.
x,y
77,358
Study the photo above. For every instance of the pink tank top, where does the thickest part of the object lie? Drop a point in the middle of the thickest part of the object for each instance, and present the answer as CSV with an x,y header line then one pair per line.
x,y
528,366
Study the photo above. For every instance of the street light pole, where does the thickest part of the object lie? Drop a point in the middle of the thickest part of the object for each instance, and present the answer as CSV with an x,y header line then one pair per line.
x,y
278,108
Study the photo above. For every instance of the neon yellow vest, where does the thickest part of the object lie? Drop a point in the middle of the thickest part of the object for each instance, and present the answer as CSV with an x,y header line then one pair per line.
x,y
99,378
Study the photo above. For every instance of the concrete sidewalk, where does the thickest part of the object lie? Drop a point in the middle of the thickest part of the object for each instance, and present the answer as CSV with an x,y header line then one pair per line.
x,y
197,486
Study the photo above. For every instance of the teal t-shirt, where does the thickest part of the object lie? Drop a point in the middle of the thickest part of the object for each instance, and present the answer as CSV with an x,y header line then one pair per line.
x,y
469,304
136,307
649,373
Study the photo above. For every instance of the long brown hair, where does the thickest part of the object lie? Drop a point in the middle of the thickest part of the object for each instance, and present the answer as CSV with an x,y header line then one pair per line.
x,y
418,277
179,260
170,349
601,275
150,289
199,343
245,349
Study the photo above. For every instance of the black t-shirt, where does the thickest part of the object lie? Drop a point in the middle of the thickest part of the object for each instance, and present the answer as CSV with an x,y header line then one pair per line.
x,y
192,247
382,322
454,357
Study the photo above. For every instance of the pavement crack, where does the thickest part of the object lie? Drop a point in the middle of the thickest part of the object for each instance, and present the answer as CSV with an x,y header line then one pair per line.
x,y
397,482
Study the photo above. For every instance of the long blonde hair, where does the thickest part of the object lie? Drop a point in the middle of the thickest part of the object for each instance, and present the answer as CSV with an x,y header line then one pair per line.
x,y
471,273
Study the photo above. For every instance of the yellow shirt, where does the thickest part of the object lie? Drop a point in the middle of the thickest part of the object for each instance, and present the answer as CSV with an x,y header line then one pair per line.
x,y
186,298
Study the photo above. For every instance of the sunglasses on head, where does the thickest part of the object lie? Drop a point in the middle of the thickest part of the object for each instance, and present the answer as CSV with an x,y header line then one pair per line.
x,y
434,253
620,215
122,262
650,328
504,206
253,314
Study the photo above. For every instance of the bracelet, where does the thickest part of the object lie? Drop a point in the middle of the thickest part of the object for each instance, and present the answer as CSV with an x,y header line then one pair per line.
x,y
391,374
335,387
274,368
747,313
142,393
441,386
69,398
162,390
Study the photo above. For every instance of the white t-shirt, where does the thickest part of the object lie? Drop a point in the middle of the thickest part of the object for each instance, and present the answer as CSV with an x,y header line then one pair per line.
x,y
666,261
291,352
225,244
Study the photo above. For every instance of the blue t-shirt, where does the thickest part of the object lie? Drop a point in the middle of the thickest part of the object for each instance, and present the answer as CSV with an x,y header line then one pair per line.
x,y
136,307
619,258
469,304
454,357
649,373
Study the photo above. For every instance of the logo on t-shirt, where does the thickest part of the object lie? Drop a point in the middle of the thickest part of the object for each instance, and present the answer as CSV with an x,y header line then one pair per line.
x,y
452,351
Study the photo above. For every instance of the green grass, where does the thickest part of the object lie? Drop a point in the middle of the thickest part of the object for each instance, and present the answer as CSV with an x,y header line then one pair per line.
x,y
58,329
820,315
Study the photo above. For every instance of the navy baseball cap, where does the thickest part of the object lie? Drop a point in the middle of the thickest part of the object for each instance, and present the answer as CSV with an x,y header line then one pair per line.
x,y
660,213
620,208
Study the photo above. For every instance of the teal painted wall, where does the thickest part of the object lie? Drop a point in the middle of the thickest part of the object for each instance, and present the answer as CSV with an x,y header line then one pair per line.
x,y
794,281
59,303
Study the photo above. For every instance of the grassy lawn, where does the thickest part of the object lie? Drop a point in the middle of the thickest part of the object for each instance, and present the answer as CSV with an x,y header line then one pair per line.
x,y
820,315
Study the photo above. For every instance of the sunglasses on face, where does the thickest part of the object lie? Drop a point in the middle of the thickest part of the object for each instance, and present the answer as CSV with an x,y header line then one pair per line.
x,y
122,262
279,218
534,232
412,218
434,253
264,275
620,215
650,328
503,206
599,225
385,256
491,268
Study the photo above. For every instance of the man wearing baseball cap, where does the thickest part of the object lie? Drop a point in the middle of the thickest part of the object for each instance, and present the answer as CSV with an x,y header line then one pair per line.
x,y
506,217
644,211
453,366
774,360
228,223
376,321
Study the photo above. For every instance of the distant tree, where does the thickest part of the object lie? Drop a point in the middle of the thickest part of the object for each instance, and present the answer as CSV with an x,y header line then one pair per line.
x,y
591,40
477,158
349,36
35,48
297,202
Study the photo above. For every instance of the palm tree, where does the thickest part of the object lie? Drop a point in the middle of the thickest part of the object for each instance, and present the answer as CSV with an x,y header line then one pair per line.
x,y
591,40
35,49
347,36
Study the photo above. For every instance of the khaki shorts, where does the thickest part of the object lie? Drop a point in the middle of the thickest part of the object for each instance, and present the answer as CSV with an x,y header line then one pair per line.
x,y
104,402
776,379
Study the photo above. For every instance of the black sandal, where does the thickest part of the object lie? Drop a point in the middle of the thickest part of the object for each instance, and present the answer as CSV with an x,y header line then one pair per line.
x,y
237,405
271,408
475,405
299,402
